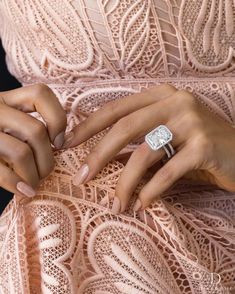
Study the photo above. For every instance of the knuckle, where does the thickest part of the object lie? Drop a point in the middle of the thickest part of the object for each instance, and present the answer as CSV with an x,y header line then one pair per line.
x,y
205,143
164,87
204,146
168,88
162,91
41,94
193,120
41,89
22,153
184,94
186,98
124,126
113,107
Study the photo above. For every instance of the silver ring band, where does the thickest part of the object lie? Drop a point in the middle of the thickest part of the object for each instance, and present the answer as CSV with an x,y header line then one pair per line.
x,y
169,150
160,137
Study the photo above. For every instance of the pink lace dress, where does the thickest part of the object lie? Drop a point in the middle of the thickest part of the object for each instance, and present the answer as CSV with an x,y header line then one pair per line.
x,y
66,240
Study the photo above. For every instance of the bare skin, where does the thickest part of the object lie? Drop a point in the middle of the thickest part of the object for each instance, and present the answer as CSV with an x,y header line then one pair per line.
x,y
204,143
26,154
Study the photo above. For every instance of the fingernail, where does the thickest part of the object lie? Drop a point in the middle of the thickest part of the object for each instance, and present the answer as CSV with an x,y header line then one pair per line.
x,y
81,176
116,205
137,206
59,140
68,138
25,189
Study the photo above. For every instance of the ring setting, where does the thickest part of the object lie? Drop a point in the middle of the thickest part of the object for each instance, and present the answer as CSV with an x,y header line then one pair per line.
x,y
160,137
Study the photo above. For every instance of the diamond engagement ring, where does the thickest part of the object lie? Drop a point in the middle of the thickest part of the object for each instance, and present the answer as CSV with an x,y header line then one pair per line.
x,y
160,138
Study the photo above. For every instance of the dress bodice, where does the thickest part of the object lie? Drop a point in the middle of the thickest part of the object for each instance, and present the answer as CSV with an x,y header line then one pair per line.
x,y
66,41
122,46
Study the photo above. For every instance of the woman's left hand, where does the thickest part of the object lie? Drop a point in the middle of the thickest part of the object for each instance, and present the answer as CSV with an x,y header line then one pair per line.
x,y
204,143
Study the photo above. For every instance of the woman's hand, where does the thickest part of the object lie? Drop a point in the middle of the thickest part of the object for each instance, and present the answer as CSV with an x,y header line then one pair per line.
x,y
25,142
204,143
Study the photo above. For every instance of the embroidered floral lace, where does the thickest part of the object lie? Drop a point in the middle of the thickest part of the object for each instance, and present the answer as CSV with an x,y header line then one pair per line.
x,y
66,240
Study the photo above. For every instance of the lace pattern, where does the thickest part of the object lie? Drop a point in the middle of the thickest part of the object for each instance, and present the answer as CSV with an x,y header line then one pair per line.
x,y
73,243
66,240
57,42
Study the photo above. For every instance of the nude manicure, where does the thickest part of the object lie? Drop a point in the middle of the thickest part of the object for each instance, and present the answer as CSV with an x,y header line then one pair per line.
x,y
25,189
137,206
59,140
116,205
68,138
81,176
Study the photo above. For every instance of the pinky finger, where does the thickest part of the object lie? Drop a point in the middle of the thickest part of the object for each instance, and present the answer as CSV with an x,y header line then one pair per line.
x,y
11,182
166,176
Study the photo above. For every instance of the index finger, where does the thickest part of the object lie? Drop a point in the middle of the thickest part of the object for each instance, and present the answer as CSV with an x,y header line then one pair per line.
x,y
116,109
40,98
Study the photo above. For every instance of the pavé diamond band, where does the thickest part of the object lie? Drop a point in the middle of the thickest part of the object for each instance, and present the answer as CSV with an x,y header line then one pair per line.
x,y
160,137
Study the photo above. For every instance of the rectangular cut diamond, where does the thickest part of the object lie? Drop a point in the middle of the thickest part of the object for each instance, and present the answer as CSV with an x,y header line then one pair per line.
x,y
158,137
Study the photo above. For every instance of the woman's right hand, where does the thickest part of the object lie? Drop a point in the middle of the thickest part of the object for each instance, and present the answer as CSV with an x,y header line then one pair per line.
x,y
26,154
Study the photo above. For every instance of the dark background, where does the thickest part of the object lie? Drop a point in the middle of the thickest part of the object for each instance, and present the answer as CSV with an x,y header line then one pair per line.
x,y
7,82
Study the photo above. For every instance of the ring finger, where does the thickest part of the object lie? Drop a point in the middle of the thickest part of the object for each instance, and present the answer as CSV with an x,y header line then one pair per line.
x,y
140,161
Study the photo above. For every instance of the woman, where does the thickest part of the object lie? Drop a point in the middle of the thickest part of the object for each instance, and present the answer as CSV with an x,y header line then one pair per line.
x,y
147,95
